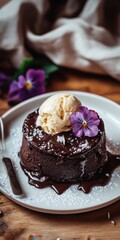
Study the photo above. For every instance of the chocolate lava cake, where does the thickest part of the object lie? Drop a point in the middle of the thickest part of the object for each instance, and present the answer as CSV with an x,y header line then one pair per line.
x,y
62,157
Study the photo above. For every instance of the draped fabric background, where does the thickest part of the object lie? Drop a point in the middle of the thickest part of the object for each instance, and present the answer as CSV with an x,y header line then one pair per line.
x,y
79,34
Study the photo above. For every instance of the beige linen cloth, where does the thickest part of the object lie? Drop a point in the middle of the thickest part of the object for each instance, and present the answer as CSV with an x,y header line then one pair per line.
x,y
72,33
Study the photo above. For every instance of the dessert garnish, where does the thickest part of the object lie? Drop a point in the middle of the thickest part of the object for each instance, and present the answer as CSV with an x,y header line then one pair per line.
x,y
15,185
84,122
54,113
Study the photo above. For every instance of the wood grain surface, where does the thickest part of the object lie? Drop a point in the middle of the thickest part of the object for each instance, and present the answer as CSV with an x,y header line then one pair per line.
x,y
18,223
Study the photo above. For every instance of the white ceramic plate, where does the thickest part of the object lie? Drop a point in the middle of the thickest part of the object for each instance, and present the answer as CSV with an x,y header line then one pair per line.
x,y
72,200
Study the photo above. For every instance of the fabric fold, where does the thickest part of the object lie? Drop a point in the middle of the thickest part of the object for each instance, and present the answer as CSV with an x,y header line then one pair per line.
x,y
70,38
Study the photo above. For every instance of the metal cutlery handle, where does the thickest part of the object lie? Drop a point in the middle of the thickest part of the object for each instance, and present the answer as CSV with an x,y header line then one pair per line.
x,y
2,134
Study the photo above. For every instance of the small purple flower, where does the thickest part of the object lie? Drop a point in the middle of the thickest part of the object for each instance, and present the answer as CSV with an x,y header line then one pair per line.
x,y
29,86
85,122
5,81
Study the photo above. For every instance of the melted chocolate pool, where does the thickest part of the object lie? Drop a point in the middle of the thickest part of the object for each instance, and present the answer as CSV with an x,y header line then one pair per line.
x,y
101,179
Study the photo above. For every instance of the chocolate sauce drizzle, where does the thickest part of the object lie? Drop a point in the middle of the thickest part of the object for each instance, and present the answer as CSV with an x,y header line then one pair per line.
x,y
101,179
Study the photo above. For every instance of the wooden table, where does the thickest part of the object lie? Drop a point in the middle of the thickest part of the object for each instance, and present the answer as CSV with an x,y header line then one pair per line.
x,y
18,223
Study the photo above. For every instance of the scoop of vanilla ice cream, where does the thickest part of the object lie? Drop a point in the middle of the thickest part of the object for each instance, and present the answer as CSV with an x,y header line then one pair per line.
x,y
54,113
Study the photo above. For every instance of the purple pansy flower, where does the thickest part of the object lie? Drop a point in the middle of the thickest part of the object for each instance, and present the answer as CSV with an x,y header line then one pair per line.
x,y
27,86
5,81
85,122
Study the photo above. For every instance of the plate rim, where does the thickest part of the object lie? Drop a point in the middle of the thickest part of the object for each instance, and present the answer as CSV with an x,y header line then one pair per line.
x,y
62,212
55,92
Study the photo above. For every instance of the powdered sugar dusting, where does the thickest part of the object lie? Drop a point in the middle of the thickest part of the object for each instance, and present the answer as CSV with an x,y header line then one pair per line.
x,y
61,139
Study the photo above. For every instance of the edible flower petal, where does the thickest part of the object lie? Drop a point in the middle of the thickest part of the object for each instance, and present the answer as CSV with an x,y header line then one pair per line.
x,y
30,85
85,122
